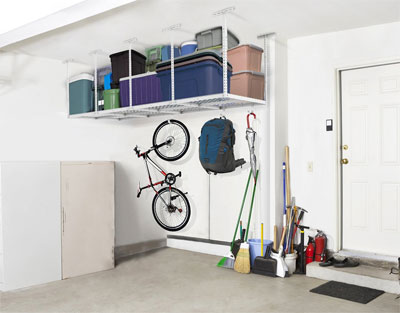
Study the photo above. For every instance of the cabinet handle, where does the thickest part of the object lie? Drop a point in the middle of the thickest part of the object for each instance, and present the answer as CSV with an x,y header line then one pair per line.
x,y
63,220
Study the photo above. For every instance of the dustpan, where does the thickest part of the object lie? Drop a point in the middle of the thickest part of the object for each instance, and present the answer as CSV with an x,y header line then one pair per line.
x,y
265,265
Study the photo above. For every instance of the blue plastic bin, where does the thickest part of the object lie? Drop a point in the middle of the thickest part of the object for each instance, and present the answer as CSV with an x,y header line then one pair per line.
x,y
188,47
166,53
255,248
107,81
193,80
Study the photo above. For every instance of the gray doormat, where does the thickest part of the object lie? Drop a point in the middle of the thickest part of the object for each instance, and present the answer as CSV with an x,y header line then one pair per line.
x,y
348,292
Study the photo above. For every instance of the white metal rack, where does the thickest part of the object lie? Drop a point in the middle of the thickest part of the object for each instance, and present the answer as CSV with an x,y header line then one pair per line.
x,y
220,101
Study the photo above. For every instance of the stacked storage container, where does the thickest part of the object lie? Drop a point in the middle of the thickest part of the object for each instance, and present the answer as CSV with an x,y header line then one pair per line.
x,y
247,80
81,94
146,88
211,39
196,74
157,54
120,69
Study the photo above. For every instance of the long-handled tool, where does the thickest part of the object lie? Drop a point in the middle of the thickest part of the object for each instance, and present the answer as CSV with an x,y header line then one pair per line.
x,y
228,260
281,267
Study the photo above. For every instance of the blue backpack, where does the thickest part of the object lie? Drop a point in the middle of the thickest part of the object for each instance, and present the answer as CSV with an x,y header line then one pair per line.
x,y
216,147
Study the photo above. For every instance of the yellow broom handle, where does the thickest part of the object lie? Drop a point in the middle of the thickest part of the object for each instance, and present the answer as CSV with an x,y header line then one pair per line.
x,y
262,239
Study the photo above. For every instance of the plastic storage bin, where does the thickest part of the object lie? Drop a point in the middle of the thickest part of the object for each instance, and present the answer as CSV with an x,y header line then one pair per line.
x,y
81,94
213,37
188,47
146,88
245,58
120,64
160,53
196,75
255,248
166,53
111,99
102,73
248,84
107,81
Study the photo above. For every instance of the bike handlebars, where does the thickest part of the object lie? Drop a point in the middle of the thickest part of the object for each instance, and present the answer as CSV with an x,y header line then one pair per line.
x,y
136,150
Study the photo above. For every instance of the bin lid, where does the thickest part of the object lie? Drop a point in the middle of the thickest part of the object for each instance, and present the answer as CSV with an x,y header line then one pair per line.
x,y
126,52
249,72
193,57
191,42
249,45
138,76
206,58
215,28
81,76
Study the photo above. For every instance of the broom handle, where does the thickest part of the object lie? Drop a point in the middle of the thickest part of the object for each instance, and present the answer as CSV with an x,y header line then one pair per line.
x,y
251,206
241,209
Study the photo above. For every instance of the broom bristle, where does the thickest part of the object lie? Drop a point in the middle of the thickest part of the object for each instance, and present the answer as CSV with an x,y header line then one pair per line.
x,y
242,263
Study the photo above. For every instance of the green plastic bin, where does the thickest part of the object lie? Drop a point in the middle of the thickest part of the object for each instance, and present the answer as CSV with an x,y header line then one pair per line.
x,y
153,54
111,99
81,99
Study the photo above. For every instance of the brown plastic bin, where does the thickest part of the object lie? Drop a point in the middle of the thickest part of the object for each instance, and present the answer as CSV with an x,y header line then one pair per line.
x,y
245,58
248,84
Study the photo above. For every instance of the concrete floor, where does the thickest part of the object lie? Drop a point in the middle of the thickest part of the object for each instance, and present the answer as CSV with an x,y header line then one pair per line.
x,y
170,280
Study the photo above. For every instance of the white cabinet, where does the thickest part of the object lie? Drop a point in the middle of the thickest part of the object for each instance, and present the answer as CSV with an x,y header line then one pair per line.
x,y
87,193
56,221
30,224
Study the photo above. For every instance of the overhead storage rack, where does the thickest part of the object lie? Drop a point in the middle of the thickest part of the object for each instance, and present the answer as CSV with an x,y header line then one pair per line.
x,y
221,101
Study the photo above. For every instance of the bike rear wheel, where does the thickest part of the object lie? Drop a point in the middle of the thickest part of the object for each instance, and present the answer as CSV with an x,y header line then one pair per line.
x,y
172,217
176,134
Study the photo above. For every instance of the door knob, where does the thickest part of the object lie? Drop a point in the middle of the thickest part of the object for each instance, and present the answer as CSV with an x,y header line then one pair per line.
x,y
344,161
345,147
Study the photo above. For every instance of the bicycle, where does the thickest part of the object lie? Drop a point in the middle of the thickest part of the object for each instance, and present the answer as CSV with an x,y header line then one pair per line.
x,y
170,206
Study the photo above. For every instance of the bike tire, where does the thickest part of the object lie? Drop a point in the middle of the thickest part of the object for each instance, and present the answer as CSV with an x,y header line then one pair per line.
x,y
159,219
164,131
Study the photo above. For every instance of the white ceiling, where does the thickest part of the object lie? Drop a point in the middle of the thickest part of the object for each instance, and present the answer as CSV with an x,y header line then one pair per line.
x,y
145,19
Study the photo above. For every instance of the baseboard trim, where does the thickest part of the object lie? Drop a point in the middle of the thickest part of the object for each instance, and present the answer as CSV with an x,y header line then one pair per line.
x,y
198,245
135,248
215,242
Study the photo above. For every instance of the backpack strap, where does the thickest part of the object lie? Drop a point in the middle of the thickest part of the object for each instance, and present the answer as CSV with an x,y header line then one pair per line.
x,y
239,162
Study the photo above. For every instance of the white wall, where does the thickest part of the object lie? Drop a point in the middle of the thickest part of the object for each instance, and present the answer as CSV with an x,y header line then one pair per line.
x,y
312,62
34,126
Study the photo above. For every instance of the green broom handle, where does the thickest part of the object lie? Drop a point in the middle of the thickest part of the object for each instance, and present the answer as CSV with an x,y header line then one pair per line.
x,y
251,206
241,209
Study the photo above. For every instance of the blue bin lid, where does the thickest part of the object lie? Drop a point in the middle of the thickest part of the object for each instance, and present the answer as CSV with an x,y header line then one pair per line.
x,y
193,57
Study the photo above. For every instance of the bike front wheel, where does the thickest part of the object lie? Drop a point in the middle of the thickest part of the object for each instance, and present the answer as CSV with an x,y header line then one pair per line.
x,y
171,209
177,137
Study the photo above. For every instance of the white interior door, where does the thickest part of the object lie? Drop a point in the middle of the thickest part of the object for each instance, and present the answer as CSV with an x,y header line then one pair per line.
x,y
371,179
87,193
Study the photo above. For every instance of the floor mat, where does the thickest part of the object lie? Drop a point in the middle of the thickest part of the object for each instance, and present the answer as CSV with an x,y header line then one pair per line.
x,y
348,292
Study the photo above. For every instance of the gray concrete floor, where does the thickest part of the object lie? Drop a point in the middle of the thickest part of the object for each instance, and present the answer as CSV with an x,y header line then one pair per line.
x,y
170,280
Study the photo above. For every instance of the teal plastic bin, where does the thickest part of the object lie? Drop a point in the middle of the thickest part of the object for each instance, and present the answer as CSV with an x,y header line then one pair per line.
x,y
81,98
255,248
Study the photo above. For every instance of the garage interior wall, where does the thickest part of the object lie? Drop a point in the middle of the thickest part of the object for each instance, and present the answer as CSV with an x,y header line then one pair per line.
x,y
312,64
34,127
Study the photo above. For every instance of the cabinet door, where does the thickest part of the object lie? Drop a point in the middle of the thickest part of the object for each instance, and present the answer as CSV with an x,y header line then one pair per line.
x,y
87,195
30,204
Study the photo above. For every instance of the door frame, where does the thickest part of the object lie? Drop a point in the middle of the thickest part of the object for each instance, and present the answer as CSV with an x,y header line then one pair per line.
x,y
339,169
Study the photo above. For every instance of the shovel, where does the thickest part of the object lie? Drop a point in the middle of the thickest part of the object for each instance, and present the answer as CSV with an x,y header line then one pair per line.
x,y
281,267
